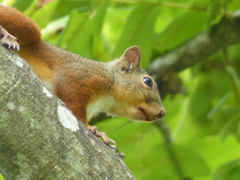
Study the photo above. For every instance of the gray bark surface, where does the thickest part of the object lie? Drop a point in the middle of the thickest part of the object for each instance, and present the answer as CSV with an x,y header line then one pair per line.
x,y
40,138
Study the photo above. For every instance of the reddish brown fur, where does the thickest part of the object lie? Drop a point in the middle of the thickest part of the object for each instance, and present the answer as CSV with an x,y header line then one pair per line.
x,y
46,59
86,86
11,18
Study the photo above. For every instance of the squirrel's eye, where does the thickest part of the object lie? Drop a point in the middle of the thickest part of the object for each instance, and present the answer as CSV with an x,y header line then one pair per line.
x,y
148,82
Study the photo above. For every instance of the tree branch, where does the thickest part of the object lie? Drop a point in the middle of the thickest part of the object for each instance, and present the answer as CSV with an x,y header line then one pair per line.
x,y
166,67
39,136
219,36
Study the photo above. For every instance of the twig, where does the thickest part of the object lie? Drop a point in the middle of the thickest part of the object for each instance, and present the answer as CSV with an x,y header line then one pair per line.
x,y
163,127
221,35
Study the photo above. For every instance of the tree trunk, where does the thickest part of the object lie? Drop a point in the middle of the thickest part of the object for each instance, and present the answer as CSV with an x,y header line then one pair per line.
x,y
39,136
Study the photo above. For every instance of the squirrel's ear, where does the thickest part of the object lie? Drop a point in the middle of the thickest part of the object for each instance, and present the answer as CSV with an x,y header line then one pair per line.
x,y
132,56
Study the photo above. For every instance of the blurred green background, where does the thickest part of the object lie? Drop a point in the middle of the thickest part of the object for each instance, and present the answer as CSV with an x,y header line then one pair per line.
x,y
203,117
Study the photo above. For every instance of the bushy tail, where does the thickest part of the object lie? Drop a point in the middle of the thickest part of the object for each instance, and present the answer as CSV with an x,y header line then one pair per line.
x,y
19,25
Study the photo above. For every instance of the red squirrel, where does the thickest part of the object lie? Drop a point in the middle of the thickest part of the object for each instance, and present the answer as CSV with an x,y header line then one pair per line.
x,y
119,87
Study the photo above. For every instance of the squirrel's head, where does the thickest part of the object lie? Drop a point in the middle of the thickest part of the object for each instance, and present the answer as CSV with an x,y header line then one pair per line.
x,y
134,90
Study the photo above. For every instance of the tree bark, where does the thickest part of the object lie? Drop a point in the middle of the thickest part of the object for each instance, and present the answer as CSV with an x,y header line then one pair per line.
x,y
39,136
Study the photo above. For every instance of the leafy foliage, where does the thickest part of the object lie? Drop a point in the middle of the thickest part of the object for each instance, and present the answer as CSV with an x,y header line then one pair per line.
x,y
204,123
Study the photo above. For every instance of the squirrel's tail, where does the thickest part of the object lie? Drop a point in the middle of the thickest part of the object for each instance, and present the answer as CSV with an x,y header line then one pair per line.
x,y
19,25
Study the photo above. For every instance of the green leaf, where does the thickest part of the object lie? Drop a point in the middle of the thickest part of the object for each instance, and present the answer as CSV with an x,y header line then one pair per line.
x,y
56,9
181,29
1,177
215,151
81,28
226,3
138,30
22,5
52,28
200,101
176,160
230,171
215,12
75,22
65,6
234,75
152,159
114,23
217,107
48,10
97,17
231,127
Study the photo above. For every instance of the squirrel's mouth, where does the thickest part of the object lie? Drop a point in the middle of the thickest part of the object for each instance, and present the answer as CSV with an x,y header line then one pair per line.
x,y
146,117
151,115
143,112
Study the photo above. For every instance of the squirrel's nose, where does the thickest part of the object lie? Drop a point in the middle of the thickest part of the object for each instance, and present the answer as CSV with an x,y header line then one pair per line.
x,y
162,113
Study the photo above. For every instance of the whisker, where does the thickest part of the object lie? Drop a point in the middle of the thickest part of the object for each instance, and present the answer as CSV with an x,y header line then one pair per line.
x,y
160,74
120,127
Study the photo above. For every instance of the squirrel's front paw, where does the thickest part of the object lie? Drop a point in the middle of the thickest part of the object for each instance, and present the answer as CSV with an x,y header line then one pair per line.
x,y
103,135
8,40
106,140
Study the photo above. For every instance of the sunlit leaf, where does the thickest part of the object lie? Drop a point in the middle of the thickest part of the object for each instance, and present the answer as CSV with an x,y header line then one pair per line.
x,y
231,127
230,170
215,11
22,5
53,27
1,177
65,7
81,29
48,10
200,102
138,30
215,151
152,159
178,160
226,2
182,28
217,107
236,79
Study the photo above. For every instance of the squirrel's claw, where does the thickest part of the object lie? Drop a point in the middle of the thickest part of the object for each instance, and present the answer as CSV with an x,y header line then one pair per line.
x,y
10,43
105,138
103,135
8,40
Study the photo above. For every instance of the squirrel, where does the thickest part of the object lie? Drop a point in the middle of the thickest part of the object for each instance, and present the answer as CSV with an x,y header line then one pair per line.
x,y
119,87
